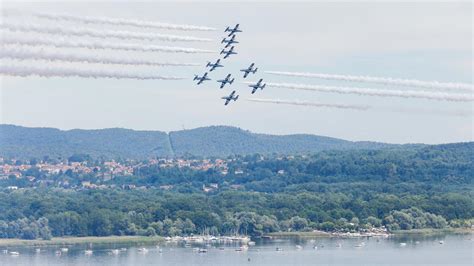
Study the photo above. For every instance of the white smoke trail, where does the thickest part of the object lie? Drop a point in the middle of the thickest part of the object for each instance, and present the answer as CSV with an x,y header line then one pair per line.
x,y
379,92
382,80
60,42
313,104
408,110
24,71
75,31
33,53
425,111
122,22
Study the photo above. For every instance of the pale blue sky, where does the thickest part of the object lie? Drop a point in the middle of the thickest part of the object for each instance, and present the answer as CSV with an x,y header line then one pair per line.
x,y
426,41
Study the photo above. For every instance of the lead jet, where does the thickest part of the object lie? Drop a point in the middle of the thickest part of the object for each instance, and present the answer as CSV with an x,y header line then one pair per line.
x,y
225,81
258,85
229,98
228,52
233,31
249,70
229,42
201,79
215,65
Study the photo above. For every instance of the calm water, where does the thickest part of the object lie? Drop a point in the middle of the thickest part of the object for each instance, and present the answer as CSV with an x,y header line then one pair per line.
x,y
454,250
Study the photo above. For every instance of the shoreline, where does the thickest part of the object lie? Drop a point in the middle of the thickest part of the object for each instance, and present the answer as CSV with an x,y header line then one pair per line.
x,y
322,234
81,240
55,241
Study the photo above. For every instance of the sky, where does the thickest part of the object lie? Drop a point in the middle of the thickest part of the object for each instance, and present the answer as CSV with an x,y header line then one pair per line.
x,y
424,41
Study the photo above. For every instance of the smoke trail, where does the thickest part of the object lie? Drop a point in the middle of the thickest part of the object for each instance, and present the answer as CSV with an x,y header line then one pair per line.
x,y
409,110
24,71
329,105
60,42
36,54
381,80
122,22
99,33
378,92
423,111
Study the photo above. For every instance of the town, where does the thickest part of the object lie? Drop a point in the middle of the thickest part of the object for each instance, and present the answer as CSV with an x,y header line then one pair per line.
x,y
90,174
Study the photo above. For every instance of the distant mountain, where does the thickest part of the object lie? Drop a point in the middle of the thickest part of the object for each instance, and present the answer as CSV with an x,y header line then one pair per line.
x,y
222,140
24,142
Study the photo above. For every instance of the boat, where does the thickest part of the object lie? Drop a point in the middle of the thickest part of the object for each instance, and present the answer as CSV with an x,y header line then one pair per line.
x,y
143,250
38,250
299,247
14,253
88,252
279,249
202,250
242,248
123,249
251,243
64,250
403,244
114,251
441,242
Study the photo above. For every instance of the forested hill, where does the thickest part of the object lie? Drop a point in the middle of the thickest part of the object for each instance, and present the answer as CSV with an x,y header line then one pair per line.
x,y
24,142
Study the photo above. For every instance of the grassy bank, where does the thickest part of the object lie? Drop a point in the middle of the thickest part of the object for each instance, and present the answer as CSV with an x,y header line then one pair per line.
x,y
81,240
432,231
299,234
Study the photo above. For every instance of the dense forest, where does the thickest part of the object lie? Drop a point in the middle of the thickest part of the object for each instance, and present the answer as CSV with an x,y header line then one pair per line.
x,y
115,143
401,189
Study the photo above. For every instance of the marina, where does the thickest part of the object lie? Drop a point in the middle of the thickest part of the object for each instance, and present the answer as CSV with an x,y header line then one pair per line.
x,y
406,250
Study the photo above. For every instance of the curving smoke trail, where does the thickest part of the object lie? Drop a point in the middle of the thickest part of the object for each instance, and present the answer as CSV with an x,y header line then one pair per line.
x,y
440,96
34,53
313,104
124,35
61,42
24,71
382,80
121,22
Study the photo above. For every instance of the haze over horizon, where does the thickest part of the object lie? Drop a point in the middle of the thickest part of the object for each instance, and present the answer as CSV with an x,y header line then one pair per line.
x,y
323,38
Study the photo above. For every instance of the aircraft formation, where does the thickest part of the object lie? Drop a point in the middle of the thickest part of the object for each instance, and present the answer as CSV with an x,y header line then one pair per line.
x,y
227,51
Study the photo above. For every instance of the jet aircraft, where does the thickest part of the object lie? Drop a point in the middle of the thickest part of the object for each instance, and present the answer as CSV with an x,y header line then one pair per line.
x,y
225,81
229,42
228,52
201,79
248,70
258,85
233,31
229,98
214,65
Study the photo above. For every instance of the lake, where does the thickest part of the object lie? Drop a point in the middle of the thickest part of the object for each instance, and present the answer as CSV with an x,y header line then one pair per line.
x,y
400,250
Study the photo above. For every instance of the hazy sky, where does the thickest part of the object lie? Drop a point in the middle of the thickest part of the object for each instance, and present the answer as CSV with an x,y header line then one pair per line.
x,y
425,41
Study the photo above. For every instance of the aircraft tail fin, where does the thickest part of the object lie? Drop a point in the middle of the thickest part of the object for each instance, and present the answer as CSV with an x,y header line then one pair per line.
x,y
236,97
208,64
195,77
255,70
264,86
231,81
